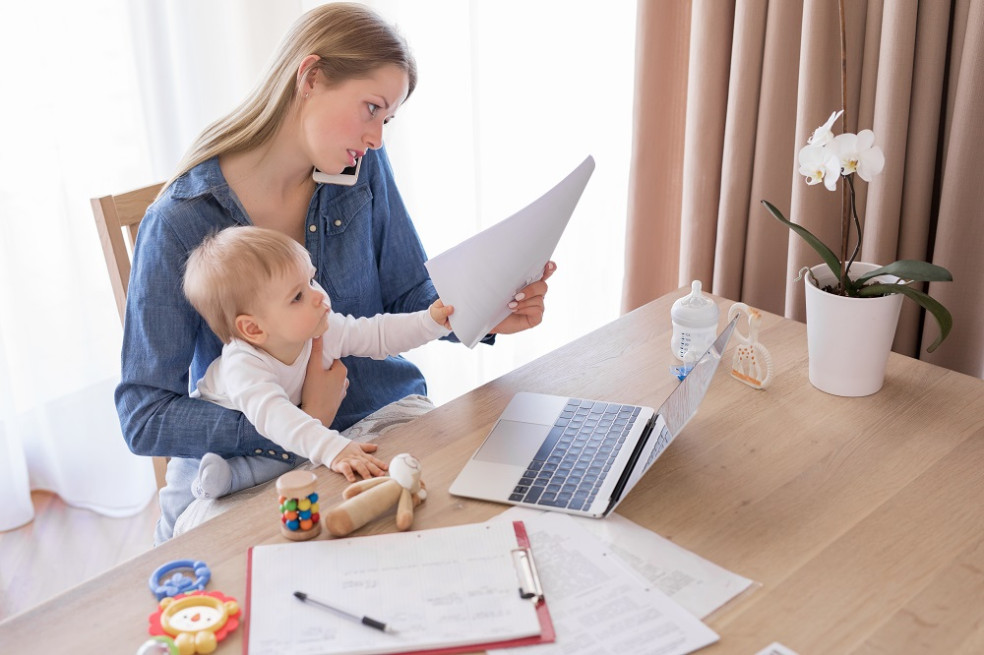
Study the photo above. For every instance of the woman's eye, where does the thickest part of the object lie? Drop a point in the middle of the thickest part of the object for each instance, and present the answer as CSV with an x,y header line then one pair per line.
x,y
372,109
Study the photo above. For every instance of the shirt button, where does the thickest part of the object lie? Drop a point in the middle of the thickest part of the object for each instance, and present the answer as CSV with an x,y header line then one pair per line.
x,y
258,451
272,452
284,455
312,228
338,222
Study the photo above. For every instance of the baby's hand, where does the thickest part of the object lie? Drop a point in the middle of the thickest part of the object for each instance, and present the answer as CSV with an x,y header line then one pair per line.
x,y
356,460
440,313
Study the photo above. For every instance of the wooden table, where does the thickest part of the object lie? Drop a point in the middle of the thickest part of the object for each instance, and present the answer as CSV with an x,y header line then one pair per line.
x,y
861,518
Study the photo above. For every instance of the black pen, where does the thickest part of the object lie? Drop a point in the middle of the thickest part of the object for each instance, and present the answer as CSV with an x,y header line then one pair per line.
x,y
364,620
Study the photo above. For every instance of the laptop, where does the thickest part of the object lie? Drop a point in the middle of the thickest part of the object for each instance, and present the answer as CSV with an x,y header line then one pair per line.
x,y
580,456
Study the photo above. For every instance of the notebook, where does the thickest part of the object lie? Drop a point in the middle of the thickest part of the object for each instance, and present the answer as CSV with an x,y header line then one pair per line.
x,y
445,590
580,456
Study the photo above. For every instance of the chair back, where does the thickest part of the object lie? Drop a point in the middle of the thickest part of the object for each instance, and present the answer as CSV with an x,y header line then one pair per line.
x,y
117,221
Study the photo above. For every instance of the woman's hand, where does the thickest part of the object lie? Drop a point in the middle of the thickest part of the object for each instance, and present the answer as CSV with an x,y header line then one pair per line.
x,y
527,308
355,460
324,388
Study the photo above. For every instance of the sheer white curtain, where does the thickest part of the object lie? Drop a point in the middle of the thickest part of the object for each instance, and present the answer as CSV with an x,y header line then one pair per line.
x,y
512,96
71,129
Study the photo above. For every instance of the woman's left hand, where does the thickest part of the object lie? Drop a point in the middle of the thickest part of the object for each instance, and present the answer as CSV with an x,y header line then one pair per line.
x,y
527,307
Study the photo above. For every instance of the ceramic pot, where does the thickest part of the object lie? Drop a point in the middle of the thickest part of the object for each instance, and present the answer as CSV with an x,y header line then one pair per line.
x,y
849,339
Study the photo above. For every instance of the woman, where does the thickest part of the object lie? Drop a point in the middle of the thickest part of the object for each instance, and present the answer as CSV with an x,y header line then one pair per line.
x,y
339,76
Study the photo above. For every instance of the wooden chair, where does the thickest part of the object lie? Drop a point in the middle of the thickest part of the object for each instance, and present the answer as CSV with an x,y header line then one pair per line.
x,y
117,220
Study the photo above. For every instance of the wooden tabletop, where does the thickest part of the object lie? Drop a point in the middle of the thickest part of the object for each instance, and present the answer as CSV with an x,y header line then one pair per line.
x,y
862,519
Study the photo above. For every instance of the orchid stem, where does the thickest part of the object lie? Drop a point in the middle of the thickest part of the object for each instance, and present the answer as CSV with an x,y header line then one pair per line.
x,y
857,226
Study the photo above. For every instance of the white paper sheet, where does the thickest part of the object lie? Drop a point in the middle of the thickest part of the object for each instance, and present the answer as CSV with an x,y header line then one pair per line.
x,y
698,585
482,274
597,603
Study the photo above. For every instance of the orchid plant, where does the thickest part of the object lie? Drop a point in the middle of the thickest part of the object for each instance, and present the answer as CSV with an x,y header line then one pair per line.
x,y
826,159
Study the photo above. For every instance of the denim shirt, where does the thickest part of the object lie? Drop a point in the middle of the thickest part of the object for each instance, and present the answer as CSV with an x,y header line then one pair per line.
x,y
368,257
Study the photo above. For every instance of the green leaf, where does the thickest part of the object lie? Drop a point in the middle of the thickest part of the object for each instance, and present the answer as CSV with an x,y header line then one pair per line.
x,y
828,256
934,307
912,270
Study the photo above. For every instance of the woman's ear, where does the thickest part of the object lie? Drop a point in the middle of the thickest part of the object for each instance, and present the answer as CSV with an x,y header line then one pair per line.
x,y
307,74
249,330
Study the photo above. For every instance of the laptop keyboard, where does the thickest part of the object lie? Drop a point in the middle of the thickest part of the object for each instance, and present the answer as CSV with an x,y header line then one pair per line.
x,y
574,459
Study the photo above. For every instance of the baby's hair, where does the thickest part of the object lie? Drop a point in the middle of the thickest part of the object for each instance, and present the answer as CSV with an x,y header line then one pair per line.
x,y
225,273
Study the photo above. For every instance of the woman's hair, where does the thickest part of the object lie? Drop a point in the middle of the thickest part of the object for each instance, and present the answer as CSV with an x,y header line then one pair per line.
x,y
351,40
226,274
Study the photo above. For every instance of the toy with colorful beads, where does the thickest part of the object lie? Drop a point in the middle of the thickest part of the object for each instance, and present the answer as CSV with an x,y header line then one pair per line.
x,y
299,517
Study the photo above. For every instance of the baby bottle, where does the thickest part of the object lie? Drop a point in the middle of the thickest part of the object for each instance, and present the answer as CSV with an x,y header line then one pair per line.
x,y
695,322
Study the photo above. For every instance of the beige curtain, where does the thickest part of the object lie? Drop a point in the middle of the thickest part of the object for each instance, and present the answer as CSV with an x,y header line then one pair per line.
x,y
727,93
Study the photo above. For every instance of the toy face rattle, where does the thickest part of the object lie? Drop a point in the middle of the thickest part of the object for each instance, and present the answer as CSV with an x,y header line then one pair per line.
x,y
197,622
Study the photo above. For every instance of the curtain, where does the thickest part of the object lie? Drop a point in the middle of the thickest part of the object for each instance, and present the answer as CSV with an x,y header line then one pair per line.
x,y
742,85
71,130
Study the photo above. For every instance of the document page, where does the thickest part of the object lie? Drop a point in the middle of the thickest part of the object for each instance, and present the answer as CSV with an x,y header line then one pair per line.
x,y
482,274
597,603
700,586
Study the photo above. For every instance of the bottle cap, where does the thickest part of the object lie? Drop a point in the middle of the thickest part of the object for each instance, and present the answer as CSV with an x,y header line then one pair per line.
x,y
695,310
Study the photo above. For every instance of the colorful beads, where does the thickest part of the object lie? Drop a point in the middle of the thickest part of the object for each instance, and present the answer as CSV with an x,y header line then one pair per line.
x,y
299,517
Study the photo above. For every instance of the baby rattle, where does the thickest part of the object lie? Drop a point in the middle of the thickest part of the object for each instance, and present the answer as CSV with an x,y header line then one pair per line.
x,y
367,499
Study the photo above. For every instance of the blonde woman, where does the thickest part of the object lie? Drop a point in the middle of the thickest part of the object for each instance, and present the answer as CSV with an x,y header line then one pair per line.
x,y
339,76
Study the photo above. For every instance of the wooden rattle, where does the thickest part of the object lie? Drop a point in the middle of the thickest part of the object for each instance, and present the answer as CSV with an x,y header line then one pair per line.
x,y
752,363
367,499
299,518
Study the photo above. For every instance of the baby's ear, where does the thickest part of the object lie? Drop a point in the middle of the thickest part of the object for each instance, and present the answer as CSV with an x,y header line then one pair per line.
x,y
249,330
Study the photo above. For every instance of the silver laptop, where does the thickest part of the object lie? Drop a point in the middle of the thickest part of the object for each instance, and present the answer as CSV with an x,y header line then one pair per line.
x,y
580,456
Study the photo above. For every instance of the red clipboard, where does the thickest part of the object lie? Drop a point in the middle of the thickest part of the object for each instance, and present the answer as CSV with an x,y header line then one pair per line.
x,y
529,587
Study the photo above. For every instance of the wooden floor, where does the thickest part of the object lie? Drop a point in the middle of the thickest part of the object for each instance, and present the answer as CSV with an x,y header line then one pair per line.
x,y
64,546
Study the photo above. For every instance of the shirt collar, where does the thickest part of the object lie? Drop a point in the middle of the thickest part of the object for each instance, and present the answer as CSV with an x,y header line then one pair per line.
x,y
206,178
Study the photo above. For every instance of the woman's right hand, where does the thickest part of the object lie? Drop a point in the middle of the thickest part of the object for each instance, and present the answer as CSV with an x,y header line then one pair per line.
x,y
324,388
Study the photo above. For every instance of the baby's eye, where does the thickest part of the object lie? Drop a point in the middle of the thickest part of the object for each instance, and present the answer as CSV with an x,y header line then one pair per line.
x,y
298,297
312,282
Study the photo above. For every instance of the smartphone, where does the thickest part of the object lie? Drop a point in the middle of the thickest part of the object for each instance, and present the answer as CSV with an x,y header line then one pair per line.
x,y
347,177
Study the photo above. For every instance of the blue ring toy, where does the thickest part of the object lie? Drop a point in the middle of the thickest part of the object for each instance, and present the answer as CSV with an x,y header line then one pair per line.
x,y
179,583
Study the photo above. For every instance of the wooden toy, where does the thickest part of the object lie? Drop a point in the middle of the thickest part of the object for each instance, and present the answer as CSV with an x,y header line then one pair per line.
x,y
299,517
752,363
367,499
197,622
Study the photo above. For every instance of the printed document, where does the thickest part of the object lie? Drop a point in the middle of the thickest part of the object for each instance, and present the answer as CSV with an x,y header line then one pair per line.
x,y
481,275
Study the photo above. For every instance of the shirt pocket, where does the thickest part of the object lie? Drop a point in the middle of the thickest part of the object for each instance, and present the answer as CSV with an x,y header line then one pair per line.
x,y
347,267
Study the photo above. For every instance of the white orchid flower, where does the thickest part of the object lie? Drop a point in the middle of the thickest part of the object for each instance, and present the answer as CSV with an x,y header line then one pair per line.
x,y
823,134
858,153
818,164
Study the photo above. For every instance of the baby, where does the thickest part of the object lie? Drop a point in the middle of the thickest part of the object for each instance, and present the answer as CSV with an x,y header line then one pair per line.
x,y
256,290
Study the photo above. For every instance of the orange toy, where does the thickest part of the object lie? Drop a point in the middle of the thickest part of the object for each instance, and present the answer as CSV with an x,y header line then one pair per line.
x,y
367,499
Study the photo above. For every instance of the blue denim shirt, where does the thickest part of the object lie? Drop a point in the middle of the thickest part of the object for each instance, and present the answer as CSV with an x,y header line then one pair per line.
x,y
368,257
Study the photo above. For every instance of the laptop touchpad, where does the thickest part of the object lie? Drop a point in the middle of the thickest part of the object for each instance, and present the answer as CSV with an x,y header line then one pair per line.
x,y
512,442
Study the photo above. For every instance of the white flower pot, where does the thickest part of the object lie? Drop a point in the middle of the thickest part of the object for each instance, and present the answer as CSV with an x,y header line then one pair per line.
x,y
849,339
